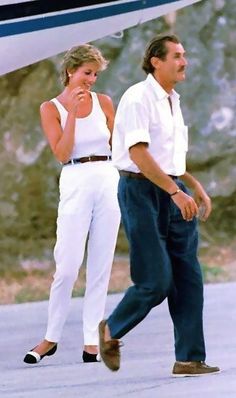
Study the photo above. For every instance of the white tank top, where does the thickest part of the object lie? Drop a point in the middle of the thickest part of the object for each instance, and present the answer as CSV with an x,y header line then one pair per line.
x,y
91,132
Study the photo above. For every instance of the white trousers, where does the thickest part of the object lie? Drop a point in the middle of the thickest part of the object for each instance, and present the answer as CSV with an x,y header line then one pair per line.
x,y
88,207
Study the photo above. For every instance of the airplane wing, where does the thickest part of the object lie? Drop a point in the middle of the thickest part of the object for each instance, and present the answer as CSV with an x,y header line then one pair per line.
x,y
34,30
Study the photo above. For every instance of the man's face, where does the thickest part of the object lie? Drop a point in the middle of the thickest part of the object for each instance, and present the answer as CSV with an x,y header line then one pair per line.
x,y
171,70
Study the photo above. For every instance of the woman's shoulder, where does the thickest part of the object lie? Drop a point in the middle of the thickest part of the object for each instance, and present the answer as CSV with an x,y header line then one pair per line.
x,y
49,107
104,100
106,104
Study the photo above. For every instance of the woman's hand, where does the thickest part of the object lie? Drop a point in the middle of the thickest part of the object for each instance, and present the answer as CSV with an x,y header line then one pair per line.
x,y
76,96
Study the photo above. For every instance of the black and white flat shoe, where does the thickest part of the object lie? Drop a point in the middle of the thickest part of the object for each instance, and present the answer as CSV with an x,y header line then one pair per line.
x,y
33,357
91,357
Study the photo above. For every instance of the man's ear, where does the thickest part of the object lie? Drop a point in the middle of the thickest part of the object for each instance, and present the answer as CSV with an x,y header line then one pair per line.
x,y
155,62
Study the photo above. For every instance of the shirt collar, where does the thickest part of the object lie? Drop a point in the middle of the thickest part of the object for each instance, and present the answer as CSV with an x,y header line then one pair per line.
x,y
158,90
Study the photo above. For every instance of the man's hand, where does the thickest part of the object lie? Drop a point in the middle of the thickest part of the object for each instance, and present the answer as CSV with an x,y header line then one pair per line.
x,y
203,201
200,196
186,204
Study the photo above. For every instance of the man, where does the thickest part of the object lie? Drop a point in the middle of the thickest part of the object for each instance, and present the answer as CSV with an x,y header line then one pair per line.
x,y
158,213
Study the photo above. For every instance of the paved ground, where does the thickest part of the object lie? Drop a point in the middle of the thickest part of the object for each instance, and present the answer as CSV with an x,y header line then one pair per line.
x,y
147,356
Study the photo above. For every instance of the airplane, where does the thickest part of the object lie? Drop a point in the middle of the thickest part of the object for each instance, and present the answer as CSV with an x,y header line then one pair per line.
x,y
33,30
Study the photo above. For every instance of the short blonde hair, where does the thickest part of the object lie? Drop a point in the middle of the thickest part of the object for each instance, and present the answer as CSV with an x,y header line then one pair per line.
x,y
77,56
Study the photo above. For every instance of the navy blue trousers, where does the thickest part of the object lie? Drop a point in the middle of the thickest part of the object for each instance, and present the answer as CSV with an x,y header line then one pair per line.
x,y
163,264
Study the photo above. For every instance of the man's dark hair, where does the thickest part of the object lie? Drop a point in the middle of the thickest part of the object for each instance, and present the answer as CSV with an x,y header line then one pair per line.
x,y
157,48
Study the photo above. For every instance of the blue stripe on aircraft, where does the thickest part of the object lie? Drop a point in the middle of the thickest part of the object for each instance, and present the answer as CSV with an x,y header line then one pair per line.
x,y
38,7
42,23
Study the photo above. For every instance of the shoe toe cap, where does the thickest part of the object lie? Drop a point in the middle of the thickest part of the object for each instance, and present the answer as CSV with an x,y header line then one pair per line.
x,y
32,357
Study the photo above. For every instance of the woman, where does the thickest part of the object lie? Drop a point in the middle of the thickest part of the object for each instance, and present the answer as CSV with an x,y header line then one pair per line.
x,y
78,124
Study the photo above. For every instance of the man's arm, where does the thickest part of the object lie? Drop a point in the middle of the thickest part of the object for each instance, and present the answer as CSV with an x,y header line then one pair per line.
x,y
140,155
200,196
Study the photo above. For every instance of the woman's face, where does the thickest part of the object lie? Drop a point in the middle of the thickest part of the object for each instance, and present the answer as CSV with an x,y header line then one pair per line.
x,y
85,75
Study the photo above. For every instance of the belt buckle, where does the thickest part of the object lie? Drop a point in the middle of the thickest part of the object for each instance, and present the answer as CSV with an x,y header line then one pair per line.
x,y
72,161
89,158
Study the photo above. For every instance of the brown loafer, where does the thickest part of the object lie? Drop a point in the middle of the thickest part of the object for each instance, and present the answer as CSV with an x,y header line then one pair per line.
x,y
109,350
193,368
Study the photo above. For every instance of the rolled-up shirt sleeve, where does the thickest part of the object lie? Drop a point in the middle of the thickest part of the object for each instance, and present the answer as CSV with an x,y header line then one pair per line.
x,y
136,125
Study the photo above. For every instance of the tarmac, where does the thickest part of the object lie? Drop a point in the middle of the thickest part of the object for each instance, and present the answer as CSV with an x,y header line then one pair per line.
x,y
147,355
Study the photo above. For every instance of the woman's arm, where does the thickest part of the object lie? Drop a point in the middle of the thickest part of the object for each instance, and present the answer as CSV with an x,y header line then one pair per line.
x,y
108,108
61,141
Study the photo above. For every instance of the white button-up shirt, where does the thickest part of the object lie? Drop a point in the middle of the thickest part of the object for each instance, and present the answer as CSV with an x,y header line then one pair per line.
x,y
144,115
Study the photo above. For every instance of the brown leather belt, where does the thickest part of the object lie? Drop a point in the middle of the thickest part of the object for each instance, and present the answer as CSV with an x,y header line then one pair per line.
x,y
92,158
131,174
